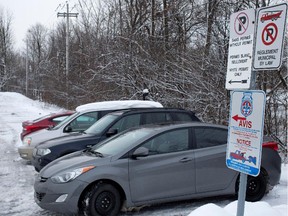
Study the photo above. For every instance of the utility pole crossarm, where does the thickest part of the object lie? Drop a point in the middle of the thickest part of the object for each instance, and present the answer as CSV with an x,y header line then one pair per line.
x,y
65,14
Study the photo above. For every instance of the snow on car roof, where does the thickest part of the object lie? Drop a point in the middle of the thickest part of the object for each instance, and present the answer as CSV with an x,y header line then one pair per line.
x,y
121,104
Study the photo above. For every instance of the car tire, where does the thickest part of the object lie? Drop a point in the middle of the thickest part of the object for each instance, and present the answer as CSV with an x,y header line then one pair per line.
x,y
101,200
256,187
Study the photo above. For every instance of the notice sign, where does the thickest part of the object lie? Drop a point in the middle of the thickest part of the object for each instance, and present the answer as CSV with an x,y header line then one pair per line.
x,y
245,131
240,50
271,22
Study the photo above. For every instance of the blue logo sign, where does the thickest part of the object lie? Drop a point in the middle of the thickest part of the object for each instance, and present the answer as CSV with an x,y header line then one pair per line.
x,y
247,104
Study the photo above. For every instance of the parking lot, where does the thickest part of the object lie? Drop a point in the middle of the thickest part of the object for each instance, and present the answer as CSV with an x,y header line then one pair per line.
x,y
17,177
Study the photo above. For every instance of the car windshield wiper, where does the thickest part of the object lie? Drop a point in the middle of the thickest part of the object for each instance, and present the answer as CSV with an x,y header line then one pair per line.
x,y
97,154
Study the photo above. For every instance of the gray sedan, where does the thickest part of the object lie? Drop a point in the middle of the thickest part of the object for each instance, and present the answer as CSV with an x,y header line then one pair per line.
x,y
149,165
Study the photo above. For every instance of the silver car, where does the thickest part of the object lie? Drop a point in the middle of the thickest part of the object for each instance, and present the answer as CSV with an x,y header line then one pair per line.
x,y
83,118
148,165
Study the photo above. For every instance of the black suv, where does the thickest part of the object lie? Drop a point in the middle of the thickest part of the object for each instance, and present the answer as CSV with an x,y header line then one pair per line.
x,y
107,126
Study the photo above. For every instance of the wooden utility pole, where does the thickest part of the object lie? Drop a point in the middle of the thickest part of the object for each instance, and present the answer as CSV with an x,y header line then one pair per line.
x,y
67,15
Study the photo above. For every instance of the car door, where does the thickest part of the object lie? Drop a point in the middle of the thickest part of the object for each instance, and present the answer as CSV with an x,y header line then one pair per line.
x,y
168,170
212,173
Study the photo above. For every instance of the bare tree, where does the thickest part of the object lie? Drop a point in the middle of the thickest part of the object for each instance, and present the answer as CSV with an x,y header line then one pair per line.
x,y
6,54
176,49
36,40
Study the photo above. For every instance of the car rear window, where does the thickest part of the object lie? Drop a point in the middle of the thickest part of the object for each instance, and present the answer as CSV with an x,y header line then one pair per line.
x,y
158,117
185,117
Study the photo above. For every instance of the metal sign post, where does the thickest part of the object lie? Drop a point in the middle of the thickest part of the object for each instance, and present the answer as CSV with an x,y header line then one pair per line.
x,y
242,194
245,132
245,135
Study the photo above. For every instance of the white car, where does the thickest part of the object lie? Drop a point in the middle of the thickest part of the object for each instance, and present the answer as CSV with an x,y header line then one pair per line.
x,y
83,118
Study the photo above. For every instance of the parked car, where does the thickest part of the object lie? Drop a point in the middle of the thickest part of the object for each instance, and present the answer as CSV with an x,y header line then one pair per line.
x,y
85,116
46,121
149,165
109,125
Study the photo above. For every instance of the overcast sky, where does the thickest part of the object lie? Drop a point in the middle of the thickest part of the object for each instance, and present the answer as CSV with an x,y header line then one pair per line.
x,y
27,13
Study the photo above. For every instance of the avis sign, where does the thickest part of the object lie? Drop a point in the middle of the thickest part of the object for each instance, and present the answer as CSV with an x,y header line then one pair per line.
x,y
245,131
269,37
239,63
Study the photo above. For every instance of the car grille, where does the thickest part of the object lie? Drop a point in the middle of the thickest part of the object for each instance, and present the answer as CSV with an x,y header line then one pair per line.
x,y
39,196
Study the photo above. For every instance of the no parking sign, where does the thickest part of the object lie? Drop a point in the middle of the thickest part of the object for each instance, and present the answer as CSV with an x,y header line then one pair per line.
x,y
269,37
239,62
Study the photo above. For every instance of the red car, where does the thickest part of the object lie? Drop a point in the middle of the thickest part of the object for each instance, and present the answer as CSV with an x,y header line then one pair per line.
x,y
43,122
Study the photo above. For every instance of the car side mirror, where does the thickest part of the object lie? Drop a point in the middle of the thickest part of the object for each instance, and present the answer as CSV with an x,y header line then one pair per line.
x,y
140,152
68,129
111,132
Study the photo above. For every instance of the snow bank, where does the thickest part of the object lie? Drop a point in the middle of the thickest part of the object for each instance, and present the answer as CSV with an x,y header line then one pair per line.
x,y
28,108
273,204
251,209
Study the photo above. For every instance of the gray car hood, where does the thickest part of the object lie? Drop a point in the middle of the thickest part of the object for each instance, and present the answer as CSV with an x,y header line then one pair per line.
x,y
72,161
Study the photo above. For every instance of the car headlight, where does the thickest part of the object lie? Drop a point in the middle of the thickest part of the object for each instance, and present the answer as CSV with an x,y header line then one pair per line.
x,y
27,141
42,152
70,175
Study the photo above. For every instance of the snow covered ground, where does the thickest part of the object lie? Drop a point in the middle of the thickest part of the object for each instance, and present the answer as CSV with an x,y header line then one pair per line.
x,y
17,177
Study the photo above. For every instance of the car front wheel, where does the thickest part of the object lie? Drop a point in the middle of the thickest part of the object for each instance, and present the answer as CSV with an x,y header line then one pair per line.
x,y
101,200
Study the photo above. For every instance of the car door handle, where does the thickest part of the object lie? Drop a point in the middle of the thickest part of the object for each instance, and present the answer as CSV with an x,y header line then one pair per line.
x,y
184,160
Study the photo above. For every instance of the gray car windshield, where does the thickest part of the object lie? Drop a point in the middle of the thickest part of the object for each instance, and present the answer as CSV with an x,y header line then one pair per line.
x,y
121,142
65,121
99,126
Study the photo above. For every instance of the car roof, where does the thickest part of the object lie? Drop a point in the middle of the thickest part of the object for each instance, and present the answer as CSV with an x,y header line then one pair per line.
x,y
117,105
61,113
143,110
161,127
175,125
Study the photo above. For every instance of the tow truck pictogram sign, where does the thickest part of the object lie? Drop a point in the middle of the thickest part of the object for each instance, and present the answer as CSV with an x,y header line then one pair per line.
x,y
270,31
270,15
245,132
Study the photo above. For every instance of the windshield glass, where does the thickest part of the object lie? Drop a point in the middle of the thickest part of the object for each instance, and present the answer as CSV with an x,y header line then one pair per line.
x,y
65,121
118,143
99,126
